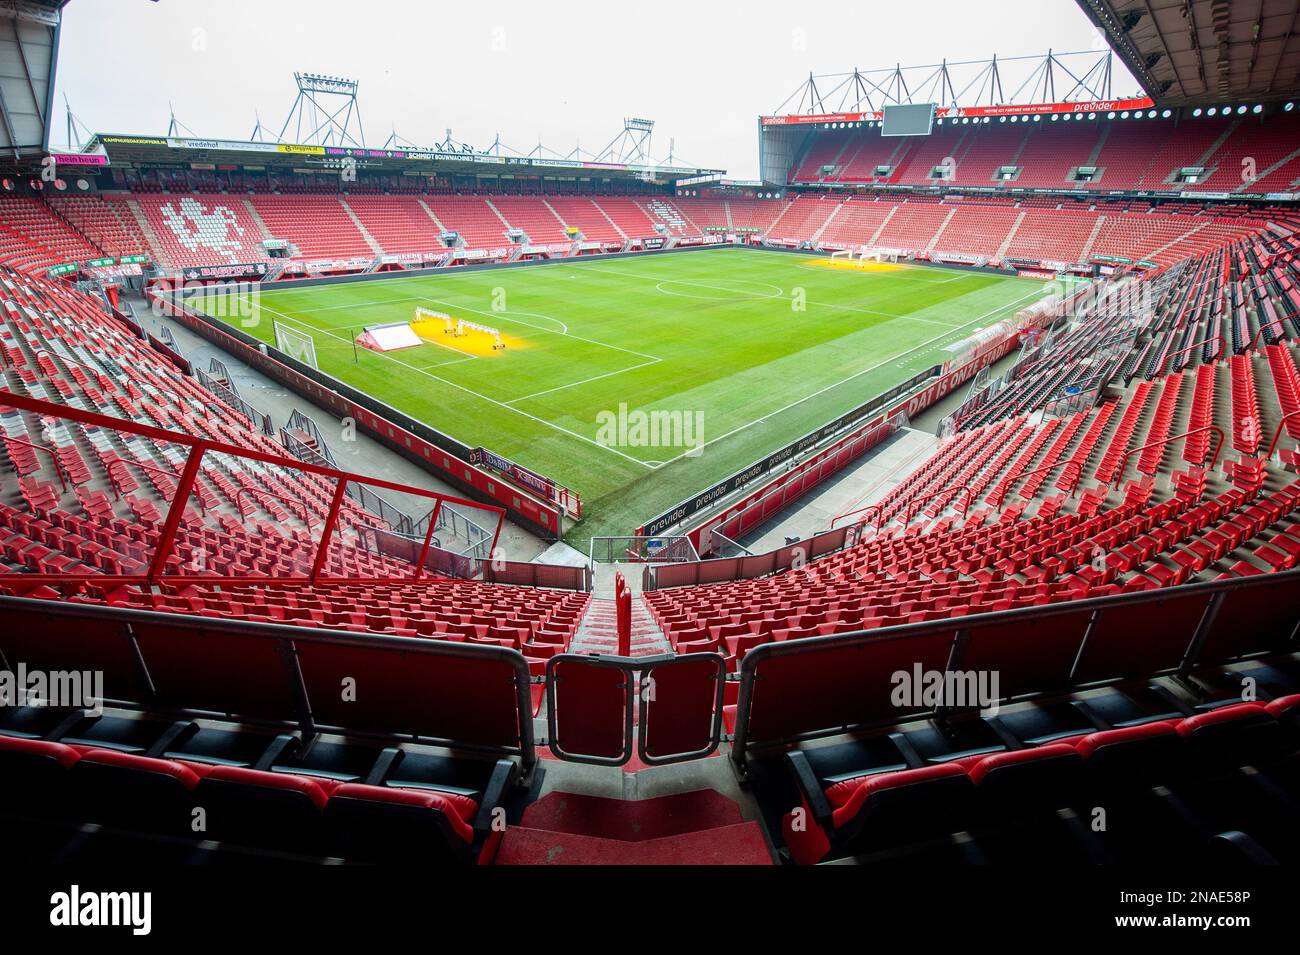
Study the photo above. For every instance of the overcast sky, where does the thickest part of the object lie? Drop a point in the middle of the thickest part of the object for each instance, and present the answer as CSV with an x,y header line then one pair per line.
x,y
565,73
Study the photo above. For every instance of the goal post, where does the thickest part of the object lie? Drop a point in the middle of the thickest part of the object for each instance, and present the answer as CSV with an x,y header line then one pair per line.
x,y
295,344
864,254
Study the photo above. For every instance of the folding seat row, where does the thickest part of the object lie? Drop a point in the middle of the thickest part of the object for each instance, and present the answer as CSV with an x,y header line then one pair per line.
x,y
194,230
911,799
1056,454
1197,445
1027,490
585,215
1070,478
257,808
1156,442
1119,441
1246,427
1286,381
105,221
802,218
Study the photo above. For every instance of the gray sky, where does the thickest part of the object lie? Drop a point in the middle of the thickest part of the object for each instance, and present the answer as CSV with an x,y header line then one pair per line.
x,y
565,72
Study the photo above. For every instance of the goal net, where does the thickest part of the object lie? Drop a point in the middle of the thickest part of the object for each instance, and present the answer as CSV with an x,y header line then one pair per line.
x,y
295,344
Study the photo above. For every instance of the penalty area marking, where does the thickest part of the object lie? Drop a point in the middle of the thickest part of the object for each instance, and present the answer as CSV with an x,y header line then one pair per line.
x,y
575,384
459,387
821,391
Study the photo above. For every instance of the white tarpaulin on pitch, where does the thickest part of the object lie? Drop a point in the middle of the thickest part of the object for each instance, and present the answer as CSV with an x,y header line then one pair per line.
x,y
392,337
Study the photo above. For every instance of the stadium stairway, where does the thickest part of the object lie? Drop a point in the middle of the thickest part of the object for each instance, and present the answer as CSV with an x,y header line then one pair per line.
x,y
702,827
597,631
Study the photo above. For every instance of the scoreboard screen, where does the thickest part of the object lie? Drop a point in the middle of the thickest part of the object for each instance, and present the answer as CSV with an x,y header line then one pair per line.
x,y
911,120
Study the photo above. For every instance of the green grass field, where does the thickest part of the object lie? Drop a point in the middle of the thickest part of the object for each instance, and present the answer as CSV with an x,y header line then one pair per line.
x,y
743,350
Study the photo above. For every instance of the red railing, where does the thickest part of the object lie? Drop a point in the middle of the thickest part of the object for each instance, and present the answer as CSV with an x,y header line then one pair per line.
x,y
1183,351
300,510
144,467
198,447
58,465
861,510
947,502
1214,460
1072,463
1277,435
1277,321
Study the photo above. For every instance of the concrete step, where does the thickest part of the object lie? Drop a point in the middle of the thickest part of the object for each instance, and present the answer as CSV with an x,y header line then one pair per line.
x,y
741,844
598,630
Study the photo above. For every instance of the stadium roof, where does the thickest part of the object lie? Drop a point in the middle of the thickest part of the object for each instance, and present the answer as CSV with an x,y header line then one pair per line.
x,y
28,53
176,150
1191,52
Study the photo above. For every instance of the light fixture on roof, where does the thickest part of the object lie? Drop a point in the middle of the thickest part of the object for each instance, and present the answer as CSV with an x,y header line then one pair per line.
x,y
1166,114
1257,108
1288,107
1111,114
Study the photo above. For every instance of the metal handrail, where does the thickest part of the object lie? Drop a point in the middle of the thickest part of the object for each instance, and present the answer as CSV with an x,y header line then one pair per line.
x,y
870,507
1277,435
1277,321
1214,460
201,446
58,465
1072,462
144,467
1183,351
948,503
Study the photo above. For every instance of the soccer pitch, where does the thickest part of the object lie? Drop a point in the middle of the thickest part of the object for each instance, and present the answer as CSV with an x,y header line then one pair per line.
x,y
639,381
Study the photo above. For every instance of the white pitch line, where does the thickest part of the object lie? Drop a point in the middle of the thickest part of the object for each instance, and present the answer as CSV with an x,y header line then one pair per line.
x,y
680,281
468,391
772,414
651,359
454,361
563,330
755,297
507,314
544,331
575,384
